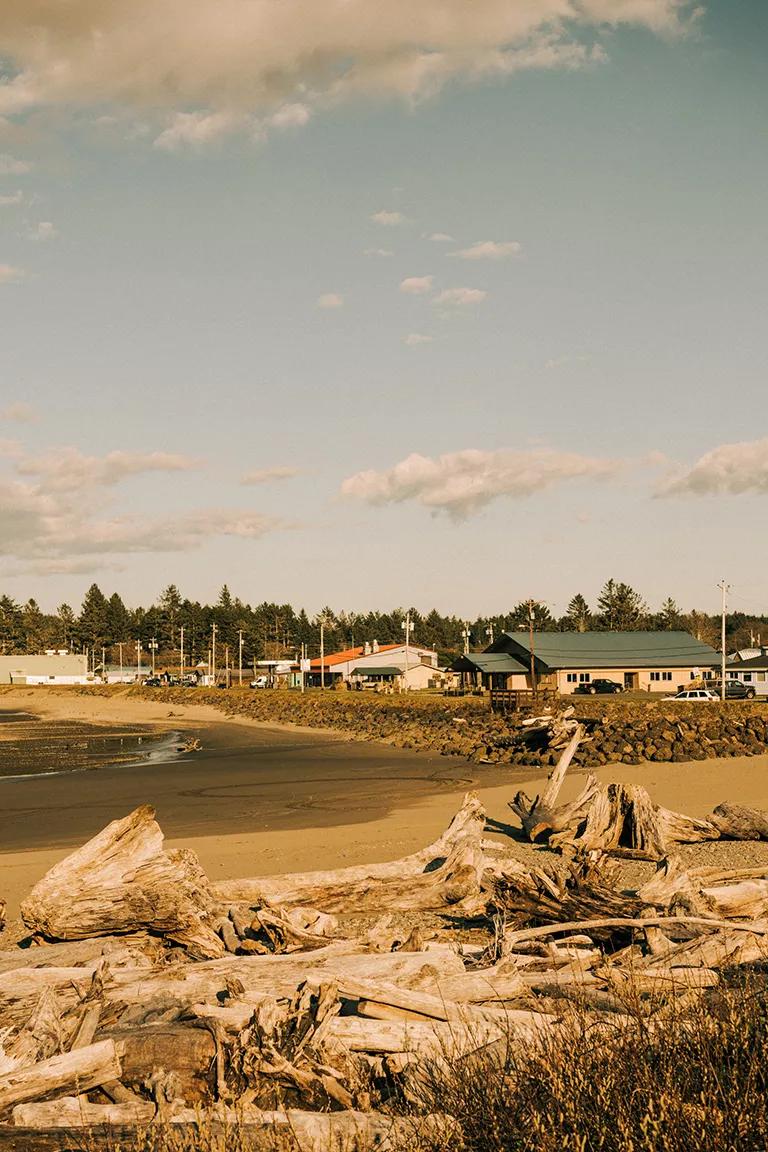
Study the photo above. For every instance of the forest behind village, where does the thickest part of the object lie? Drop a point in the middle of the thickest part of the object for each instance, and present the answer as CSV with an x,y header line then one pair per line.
x,y
274,631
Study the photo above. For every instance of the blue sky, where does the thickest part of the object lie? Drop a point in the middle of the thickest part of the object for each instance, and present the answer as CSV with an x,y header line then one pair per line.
x,y
555,374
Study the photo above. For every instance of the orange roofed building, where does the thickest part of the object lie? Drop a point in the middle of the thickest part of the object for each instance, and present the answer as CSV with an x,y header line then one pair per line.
x,y
378,663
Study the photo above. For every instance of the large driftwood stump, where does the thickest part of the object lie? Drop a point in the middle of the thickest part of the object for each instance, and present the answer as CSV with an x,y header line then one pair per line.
x,y
735,822
541,815
123,881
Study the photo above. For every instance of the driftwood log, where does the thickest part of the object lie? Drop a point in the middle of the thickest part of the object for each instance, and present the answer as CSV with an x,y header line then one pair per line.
x,y
122,881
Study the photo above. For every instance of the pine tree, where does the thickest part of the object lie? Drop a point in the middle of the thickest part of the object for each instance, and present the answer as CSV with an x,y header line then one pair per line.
x,y
118,620
93,623
66,627
578,614
670,616
621,608
169,610
33,627
542,617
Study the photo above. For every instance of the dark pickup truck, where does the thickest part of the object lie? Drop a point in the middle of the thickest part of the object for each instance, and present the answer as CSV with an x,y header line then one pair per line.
x,y
598,687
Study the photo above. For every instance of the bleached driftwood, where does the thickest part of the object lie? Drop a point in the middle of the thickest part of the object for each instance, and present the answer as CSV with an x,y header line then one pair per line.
x,y
541,815
121,881
76,1112
63,1075
735,822
363,886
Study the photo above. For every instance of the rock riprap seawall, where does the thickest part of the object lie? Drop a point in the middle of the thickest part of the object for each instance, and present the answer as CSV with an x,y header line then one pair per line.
x,y
627,731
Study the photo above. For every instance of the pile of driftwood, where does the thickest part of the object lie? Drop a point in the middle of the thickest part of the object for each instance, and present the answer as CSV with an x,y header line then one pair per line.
x,y
147,995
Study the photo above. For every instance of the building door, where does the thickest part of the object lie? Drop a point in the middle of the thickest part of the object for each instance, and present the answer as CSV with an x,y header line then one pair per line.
x,y
631,681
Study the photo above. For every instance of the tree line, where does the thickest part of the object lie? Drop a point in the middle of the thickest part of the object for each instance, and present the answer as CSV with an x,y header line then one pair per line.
x,y
274,631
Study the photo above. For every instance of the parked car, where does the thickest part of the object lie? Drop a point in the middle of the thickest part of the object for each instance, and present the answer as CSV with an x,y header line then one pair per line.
x,y
694,696
598,687
260,682
735,690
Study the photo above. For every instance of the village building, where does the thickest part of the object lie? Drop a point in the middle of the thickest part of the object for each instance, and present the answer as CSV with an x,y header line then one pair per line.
x,y
750,667
379,665
54,667
637,661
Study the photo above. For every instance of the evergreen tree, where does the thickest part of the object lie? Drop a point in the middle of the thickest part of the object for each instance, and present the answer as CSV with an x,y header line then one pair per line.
x,y
65,627
169,608
93,624
578,614
669,618
621,609
33,627
118,620
11,632
542,617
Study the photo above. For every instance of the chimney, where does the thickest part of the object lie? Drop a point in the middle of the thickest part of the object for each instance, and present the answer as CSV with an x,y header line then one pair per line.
x,y
375,645
367,649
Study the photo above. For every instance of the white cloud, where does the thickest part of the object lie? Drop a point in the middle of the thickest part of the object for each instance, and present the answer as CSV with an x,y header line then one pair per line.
x,y
377,252
413,339
440,238
417,285
290,116
460,483
260,56
461,296
14,198
490,250
52,512
45,231
388,219
330,300
195,129
10,166
10,275
265,475
728,470
19,412
68,470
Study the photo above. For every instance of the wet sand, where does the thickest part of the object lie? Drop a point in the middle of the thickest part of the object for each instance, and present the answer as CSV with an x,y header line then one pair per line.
x,y
260,799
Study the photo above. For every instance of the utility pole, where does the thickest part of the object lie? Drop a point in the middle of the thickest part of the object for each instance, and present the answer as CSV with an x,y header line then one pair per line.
x,y
407,627
213,656
725,589
489,632
322,652
466,634
301,665
226,665
138,660
120,650
104,663
153,649
240,657
181,653
530,640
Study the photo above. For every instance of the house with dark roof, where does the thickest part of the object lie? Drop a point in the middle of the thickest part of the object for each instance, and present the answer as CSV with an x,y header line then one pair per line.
x,y
638,661
750,666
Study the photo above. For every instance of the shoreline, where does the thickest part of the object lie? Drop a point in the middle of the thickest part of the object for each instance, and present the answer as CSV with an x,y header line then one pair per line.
x,y
264,798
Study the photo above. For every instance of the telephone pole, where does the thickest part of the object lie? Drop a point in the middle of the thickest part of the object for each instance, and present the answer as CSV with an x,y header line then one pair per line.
x,y
725,589
181,654
530,642
407,627
240,658
213,656
138,660
466,634
153,649
489,632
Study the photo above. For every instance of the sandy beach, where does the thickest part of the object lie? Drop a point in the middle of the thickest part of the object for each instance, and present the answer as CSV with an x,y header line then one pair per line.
x,y
260,798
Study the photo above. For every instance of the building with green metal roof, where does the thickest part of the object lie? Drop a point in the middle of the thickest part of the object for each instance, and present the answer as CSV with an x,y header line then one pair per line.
x,y
644,661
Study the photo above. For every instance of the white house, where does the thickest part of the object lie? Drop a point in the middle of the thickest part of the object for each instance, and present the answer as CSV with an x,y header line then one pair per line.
x,y
47,668
413,667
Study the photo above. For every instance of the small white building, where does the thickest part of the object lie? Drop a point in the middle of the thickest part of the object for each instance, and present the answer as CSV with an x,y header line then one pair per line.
x,y
53,667
411,667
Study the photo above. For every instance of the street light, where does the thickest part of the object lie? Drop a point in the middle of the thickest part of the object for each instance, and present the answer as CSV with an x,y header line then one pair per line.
x,y
153,647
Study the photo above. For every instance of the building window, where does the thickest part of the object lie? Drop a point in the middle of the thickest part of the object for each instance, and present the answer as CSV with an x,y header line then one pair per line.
x,y
660,675
747,677
585,677
571,678
655,675
760,676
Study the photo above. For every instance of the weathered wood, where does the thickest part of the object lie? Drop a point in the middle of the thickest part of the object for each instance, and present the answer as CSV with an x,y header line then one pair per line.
x,y
735,822
121,951
324,890
186,1052
76,1112
516,937
61,1075
539,816
277,975
383,1001
121,881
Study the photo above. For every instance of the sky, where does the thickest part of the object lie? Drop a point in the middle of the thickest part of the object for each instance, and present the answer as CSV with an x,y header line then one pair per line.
x,y
337,302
